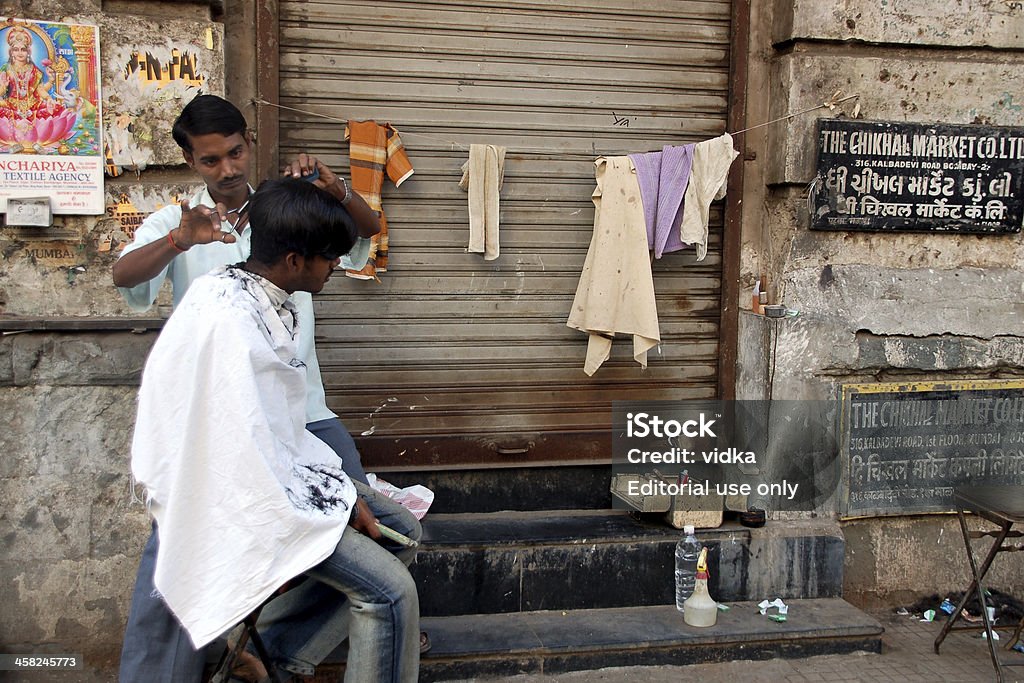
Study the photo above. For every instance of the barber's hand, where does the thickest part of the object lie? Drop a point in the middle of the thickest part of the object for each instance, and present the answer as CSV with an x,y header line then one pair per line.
x,y
201,225
363,521
305,164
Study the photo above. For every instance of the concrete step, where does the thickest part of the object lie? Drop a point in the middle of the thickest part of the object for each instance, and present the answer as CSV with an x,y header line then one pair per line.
x,y
489,563
555,641
566,487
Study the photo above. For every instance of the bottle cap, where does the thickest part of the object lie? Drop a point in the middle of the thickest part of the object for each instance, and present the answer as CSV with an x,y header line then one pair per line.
x,y
688,529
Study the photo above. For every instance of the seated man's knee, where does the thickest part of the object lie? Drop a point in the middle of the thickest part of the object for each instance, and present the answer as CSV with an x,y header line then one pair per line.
x,y
415,529
393,588
406,592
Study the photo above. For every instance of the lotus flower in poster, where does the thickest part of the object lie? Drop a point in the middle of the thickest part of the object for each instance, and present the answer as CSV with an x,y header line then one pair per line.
x,y
30,114
42,130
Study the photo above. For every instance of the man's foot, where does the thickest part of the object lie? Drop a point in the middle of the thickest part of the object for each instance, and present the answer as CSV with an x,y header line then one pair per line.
x,y
248,667
424,642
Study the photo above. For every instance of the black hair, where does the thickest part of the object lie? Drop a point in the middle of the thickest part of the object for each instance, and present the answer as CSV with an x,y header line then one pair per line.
x,y
204,115
291,215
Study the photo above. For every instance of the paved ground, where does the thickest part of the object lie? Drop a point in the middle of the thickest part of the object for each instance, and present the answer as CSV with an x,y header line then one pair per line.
x,y
907,656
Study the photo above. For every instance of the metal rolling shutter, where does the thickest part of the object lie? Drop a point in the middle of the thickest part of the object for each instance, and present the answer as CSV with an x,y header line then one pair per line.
x,y
454,361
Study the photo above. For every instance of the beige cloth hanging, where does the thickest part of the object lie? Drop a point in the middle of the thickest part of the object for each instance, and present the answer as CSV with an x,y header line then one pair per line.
x,y
615,294
482,177
708,179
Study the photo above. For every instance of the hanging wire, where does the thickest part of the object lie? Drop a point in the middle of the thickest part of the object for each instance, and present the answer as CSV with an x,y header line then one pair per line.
x,y
258,100
828,104
460,145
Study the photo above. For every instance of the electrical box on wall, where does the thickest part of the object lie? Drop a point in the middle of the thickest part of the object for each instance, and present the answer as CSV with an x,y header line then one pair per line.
x,y
29,211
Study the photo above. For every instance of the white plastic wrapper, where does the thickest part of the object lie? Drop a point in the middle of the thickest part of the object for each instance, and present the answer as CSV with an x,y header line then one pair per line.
x,y
416,498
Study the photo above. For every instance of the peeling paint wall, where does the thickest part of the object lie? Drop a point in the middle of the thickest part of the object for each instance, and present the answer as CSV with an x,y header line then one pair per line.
x,y
877,307
71,527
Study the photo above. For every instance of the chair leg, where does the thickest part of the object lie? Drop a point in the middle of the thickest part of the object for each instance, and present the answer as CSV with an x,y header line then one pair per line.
x,y
261,650
1015,638
223,672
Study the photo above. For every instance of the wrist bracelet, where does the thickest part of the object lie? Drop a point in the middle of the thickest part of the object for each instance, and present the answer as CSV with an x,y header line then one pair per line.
x,y
348,193
175,244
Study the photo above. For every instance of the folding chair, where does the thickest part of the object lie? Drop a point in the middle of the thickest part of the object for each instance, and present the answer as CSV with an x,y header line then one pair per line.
x,y
222,674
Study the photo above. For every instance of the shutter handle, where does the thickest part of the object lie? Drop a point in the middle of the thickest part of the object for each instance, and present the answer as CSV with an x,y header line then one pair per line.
x,y
515,450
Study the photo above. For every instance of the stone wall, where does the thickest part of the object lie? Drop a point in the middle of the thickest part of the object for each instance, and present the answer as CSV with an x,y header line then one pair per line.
x,y
877,307
71,528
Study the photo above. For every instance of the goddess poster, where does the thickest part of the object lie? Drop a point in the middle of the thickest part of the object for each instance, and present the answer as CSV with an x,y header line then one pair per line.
x,y
50,115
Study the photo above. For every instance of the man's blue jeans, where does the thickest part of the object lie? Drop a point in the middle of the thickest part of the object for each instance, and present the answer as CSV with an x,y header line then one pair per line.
x,y
312,619
383,622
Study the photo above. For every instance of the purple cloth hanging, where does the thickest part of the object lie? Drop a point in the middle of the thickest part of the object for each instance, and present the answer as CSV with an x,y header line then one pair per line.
x,y
663,177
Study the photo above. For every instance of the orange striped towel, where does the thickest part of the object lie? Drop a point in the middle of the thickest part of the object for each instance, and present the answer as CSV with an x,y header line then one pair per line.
x,y
373,149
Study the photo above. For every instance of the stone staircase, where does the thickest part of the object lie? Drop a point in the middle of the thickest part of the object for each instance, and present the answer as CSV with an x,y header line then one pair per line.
x,y
529,571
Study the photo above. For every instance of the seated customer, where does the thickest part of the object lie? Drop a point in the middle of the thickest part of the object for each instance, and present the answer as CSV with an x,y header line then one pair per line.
x,y
243,496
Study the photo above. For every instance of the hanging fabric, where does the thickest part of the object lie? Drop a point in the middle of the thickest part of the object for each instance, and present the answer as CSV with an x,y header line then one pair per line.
x,y
482,177
663,177
708,179
373,149
615,294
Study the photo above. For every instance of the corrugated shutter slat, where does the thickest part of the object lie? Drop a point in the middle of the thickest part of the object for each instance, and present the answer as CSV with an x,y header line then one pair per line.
x,y
450,345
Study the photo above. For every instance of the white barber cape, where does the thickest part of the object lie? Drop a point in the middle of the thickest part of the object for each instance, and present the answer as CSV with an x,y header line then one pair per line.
x,y
243,496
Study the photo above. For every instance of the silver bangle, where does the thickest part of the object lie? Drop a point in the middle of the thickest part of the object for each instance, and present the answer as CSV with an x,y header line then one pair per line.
x,y
348,193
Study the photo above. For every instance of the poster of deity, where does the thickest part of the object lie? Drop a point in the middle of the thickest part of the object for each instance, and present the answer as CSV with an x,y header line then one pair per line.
x,y
50,115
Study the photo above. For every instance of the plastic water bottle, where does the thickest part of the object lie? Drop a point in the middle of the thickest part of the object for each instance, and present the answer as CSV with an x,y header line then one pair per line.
x,y
687,552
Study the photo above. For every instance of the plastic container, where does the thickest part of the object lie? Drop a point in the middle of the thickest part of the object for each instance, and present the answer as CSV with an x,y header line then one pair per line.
x,y
687,551
701,610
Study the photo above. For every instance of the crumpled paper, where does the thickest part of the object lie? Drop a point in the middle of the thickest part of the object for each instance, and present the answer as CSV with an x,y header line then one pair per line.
x,y
764,606
415,498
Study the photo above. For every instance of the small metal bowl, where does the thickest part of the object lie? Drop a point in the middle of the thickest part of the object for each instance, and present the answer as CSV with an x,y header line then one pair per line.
x,y
753,518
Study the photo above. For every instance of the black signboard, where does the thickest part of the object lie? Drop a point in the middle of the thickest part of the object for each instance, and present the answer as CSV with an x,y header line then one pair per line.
x,y
905,447
905,177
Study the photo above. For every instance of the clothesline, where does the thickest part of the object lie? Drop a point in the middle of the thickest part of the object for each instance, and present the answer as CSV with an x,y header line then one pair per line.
x,y
829,104
405,133
334,118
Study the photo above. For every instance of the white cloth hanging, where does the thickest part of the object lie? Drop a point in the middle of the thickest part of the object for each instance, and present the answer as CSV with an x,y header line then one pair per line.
x,y
708,178
482,177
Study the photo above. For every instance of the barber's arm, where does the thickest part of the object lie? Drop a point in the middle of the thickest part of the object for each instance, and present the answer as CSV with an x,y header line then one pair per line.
x,y
198,225
366,219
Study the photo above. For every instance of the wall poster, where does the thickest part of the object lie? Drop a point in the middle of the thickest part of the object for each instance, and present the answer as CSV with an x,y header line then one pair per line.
x,y
50,115
902,177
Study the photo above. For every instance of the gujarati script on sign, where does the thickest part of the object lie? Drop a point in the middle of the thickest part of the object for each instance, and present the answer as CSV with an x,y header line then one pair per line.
x,y
913,177
905,447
